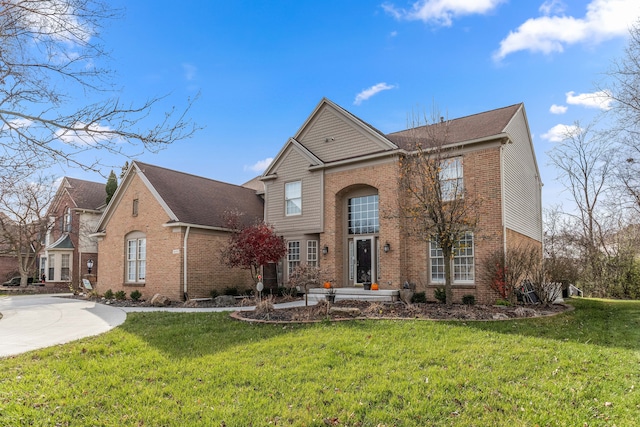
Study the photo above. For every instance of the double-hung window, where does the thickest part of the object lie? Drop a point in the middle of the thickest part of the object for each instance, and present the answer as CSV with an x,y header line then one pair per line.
x,y
65,271
66,221
463,260
52,266
136,260
293,255
293,198
451,179
312,253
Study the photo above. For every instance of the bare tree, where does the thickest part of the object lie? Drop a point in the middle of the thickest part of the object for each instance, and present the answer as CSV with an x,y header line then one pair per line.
x,y
23,221
585,163
436,206
57,100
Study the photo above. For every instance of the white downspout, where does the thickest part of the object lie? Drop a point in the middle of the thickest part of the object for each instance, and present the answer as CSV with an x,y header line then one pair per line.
x,y
184,254
502,194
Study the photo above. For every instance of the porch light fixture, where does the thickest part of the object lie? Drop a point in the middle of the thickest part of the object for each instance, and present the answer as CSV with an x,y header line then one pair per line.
x,y
325,250
89,265
387,247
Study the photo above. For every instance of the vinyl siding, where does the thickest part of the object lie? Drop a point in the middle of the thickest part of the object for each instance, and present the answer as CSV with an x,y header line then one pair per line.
x,y
522,192
293,166
346,140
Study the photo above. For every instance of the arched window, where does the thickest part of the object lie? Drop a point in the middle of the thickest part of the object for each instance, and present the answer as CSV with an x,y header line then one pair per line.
x,y
136,253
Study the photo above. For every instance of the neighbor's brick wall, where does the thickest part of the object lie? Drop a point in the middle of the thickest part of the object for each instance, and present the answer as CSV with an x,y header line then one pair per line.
x,y
8,266
206,272
163,269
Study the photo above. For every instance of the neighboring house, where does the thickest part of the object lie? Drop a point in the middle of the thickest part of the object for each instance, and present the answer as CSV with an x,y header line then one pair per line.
x,y
163,232
332,192
73,215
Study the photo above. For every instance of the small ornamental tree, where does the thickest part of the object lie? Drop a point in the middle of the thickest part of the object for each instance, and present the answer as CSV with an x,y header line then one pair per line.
x,y
251,247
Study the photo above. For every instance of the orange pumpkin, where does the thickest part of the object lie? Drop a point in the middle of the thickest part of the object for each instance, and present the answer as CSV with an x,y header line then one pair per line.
x,y
327,285
374,286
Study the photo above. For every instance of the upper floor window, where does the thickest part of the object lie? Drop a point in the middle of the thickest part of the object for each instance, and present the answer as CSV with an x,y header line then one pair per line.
x,y
363,215
451,179
293,197
66,220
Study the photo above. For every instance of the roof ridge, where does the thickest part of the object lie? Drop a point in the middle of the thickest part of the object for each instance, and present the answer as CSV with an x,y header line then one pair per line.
x,y
190,174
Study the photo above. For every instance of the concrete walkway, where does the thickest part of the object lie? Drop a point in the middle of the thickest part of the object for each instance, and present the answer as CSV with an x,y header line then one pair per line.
x,y
31,322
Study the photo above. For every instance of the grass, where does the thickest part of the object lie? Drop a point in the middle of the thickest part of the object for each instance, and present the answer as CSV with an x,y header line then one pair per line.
x,y
164,369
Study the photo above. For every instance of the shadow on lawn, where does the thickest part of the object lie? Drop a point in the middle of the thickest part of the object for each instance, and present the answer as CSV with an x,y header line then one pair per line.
x,y
194,334
608,323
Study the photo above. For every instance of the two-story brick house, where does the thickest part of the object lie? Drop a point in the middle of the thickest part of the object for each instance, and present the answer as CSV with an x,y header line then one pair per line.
x,y
73,215
163,232
332,192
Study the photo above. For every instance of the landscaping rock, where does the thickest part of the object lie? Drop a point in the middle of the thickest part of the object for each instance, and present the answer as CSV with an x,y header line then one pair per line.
x,y
190,304
525,312
159,300
500,316
225,301
345,311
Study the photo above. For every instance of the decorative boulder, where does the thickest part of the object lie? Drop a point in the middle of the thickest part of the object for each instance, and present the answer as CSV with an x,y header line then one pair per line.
x,y
525,312
225,301
500,316
159,300
345,311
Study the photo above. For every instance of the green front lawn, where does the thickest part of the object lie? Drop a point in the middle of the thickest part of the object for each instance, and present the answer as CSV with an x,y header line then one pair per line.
x,y
160,369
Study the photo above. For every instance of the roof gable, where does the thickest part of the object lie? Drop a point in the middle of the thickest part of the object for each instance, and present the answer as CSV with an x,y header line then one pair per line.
x,y
190,199
332,133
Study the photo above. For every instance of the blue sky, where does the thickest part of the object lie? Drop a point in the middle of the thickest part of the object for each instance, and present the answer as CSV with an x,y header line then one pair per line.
x,y
262,66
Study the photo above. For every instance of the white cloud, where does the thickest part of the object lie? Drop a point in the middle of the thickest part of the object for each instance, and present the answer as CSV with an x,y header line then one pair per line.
x,y
190,71
601,99
559,133
79,137
441,12
18,123
373,90
552,7
260,166
59,20
604,19
558,109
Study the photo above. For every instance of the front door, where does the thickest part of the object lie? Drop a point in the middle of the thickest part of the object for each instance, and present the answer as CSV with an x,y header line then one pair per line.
x,y
364,261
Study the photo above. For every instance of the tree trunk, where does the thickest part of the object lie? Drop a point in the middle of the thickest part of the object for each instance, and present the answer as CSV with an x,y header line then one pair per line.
x,y
448,276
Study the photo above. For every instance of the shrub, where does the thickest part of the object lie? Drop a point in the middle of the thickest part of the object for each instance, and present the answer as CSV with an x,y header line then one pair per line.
x,y
468,300
503,302
108,294
440,294
419,297
135,295
214,293
121,295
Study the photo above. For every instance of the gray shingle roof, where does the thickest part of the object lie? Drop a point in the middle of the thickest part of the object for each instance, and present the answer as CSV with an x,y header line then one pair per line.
x,y
469,128
202,201
87,194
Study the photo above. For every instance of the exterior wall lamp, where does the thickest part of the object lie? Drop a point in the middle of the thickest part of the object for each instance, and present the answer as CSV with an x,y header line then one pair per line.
x,y
89,265
387,247
325,250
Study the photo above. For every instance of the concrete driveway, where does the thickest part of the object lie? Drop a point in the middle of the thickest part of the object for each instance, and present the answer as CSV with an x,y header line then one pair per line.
x,y
30,322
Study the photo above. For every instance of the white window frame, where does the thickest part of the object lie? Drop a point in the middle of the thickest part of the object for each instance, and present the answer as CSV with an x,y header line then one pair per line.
x,y
51,267
463,264
65,267
293,255
293,198
451,177
136,252
312,253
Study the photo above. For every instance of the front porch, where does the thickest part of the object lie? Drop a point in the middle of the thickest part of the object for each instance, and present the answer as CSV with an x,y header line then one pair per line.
x,y
356,294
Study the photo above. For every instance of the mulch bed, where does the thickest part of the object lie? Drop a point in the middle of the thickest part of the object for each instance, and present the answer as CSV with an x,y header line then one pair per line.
x,y
350,309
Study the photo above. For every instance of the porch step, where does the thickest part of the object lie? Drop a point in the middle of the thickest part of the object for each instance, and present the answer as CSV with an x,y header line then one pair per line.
x,y
357,293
